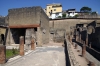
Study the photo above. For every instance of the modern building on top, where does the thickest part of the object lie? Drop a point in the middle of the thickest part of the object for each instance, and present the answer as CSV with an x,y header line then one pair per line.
x,y
53,10
70,12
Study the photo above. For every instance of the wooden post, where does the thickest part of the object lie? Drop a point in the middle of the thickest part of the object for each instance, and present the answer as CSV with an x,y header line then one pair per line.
x,y
32,44
83,50
2,54
21,46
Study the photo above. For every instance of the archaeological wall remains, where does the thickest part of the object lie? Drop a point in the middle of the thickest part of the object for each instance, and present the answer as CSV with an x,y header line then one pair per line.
x,y
30,22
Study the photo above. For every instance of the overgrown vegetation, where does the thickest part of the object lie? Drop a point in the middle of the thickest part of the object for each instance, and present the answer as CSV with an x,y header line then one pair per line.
x,y
11,53
64,15
59,16
76,16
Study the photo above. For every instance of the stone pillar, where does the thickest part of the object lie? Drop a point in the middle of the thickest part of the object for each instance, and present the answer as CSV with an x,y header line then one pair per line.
x,y
32,44
83,50
2,54
92,64
21,46
28,37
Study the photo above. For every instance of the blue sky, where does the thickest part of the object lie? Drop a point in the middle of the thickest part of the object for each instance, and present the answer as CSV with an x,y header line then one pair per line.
x,y
67,4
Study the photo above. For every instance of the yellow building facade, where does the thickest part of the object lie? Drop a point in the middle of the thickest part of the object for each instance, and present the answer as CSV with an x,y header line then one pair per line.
x,y
53,8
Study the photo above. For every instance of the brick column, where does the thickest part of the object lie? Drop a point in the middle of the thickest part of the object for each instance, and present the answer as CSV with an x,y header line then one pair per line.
x,y
2,54
87,40
21,46
32,44
83,50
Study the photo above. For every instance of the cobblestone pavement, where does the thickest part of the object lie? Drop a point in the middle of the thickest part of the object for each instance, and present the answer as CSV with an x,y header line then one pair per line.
x,y
41,56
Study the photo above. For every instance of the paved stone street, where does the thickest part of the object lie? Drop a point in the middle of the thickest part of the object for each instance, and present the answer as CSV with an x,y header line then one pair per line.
x,y
42,56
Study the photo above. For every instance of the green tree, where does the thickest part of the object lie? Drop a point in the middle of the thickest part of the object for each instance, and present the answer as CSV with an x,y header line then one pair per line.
x,y
86,9
64,15
94,13
76,16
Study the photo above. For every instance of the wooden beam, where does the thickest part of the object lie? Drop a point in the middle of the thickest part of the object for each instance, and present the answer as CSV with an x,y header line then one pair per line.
x,y
24,26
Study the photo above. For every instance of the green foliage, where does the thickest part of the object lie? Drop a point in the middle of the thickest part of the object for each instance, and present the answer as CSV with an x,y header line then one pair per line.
x,y
11,53
63,15
86,9
59,16
76,16
94,13
14,51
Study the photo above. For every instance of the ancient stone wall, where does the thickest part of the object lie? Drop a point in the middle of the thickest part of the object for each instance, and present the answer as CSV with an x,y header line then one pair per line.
x,y
28,16
67,23
24,16
44,27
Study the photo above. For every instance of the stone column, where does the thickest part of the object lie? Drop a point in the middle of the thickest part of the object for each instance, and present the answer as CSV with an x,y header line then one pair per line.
x,y
28,36
83,50
32,44
21,46
2,54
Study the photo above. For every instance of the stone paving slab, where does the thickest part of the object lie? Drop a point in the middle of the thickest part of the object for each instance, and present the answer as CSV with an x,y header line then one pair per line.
x,y
42,56
82,60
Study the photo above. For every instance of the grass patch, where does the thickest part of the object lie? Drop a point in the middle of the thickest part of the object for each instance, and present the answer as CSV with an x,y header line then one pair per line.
x,y
11,53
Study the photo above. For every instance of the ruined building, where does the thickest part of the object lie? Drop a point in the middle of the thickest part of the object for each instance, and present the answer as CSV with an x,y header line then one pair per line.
x,y
30,22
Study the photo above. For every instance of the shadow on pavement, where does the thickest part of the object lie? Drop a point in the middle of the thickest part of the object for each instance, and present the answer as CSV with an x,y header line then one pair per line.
x,y
66,54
